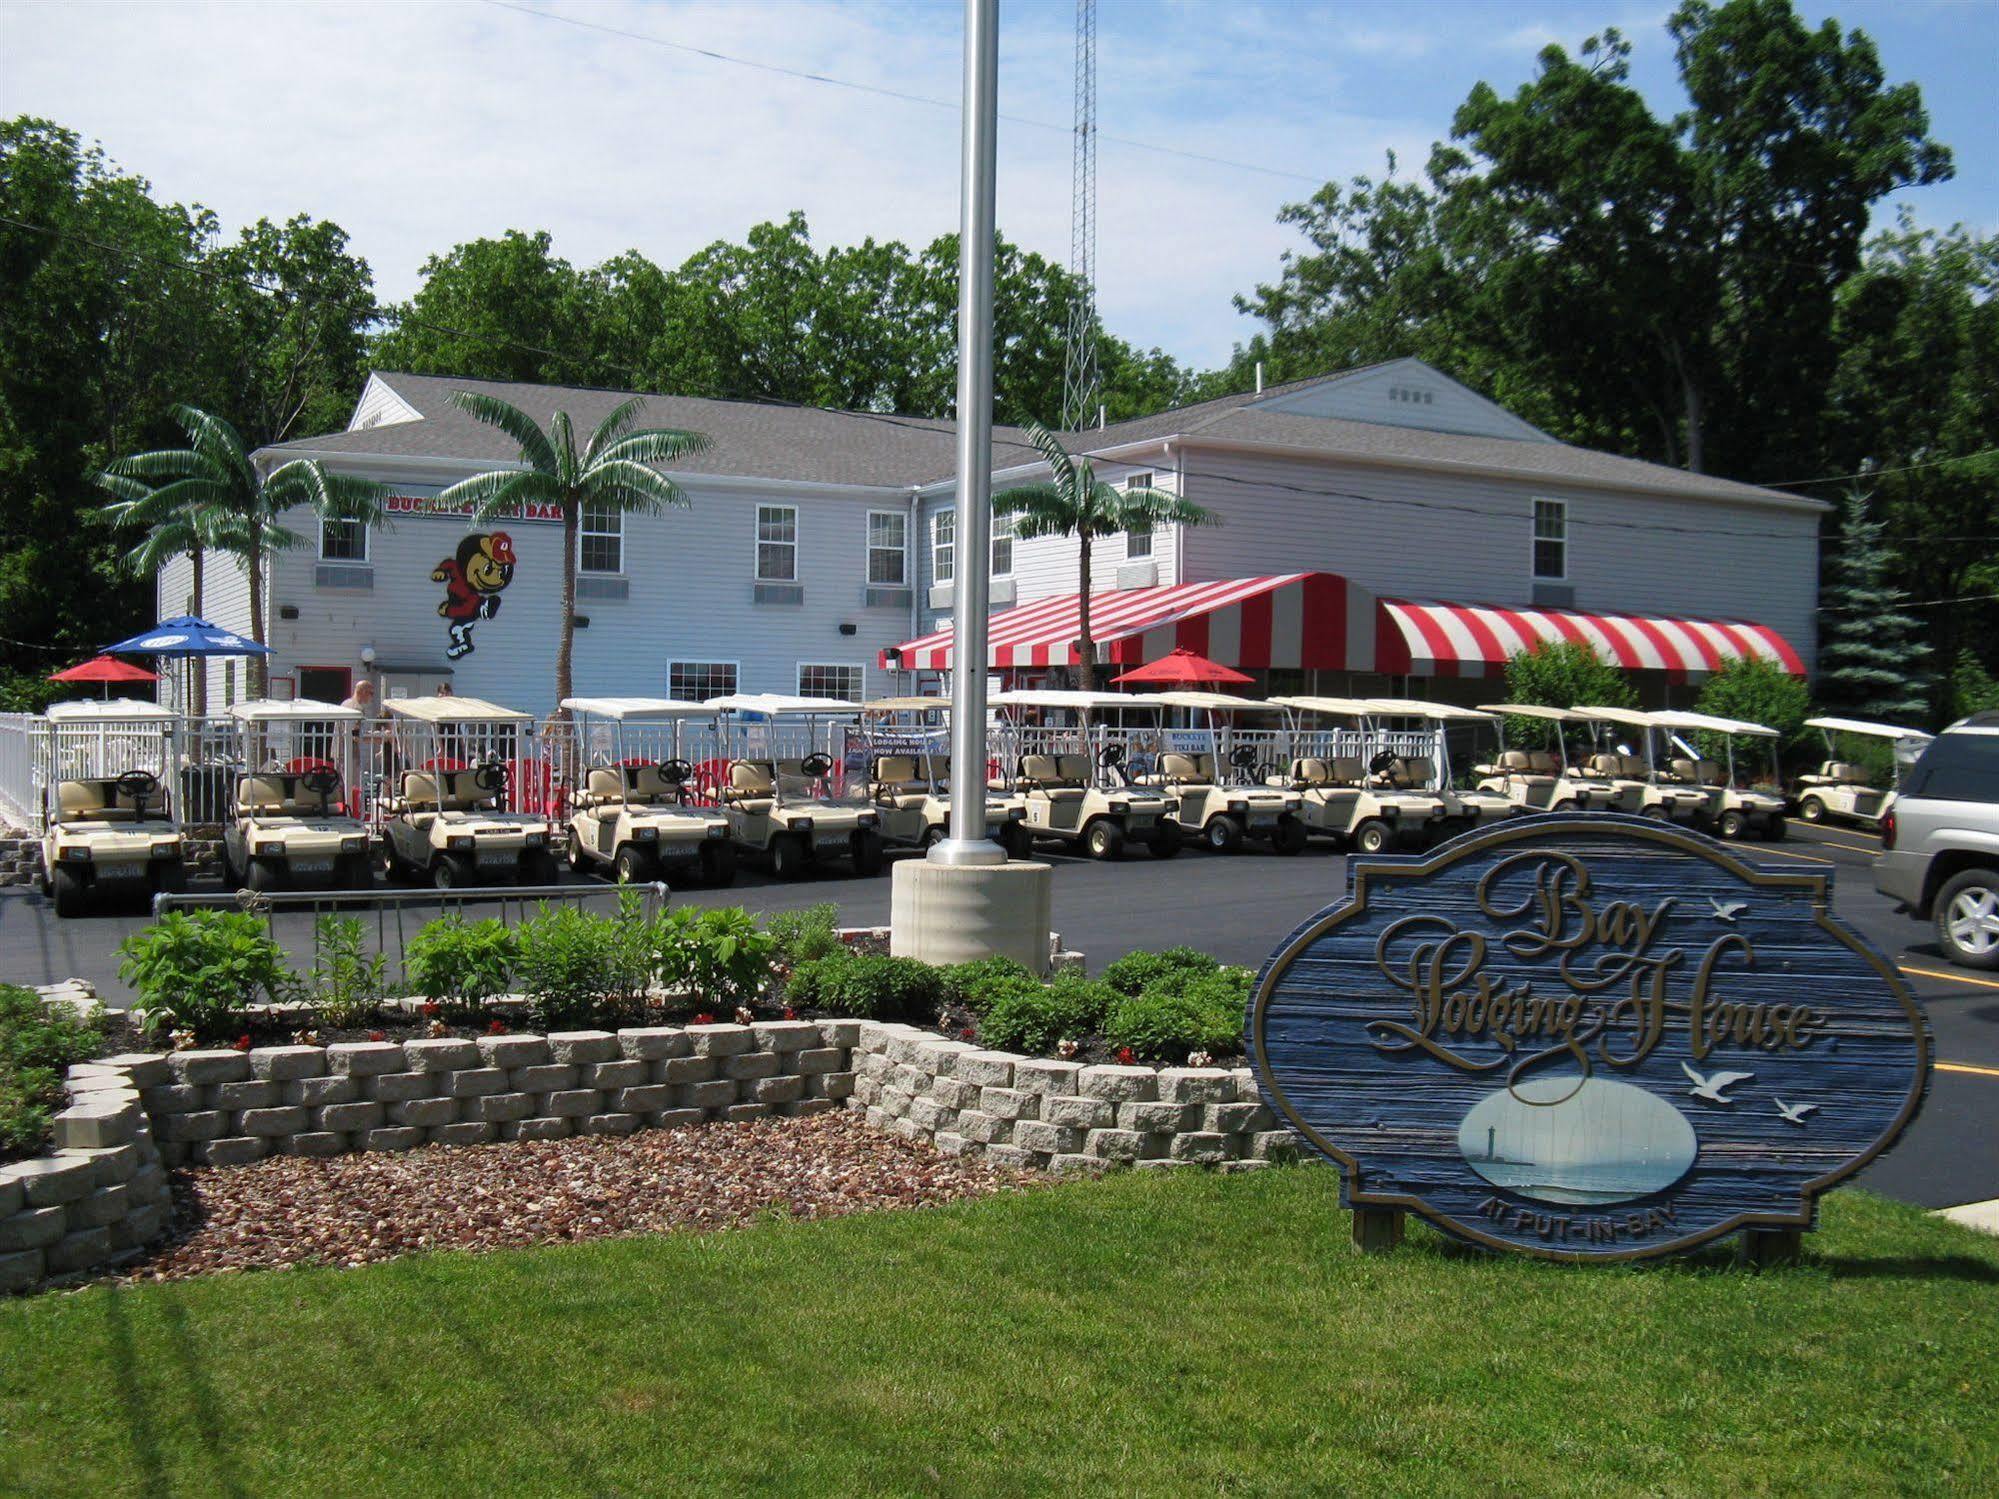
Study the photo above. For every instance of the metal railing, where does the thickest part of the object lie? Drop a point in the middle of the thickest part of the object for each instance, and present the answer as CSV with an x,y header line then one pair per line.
x,y
19,800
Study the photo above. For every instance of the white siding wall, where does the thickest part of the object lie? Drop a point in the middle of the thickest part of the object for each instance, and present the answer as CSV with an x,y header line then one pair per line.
x,y
1407,393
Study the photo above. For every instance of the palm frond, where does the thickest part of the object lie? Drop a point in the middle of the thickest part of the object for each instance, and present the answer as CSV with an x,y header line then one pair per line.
x,y
513,421
1061,466
159,464
1038,510
613,427
127,490
1131,509
625,485
490,494
655,445
218,444
562,438
277,538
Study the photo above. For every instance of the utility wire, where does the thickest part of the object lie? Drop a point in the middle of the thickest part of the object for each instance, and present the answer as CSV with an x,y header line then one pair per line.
x,y
1875,473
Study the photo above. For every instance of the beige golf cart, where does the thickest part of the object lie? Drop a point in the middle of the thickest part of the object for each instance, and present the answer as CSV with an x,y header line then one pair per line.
x,y
1545,780
777,792
908,775
293,822
1071,776
1347,780
1212,779
1665,796
1463,809
630,813
110,819
1841,790
448,818
1733,810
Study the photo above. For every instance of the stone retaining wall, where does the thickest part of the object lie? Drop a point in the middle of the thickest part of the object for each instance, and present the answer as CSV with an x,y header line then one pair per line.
x,y
21,853
1039,1113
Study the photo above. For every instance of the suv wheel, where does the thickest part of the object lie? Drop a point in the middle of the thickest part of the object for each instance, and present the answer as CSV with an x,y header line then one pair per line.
x,y
1967,918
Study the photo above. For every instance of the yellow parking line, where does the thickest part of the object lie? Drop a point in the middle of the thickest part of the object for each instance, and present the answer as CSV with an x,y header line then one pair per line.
x,y
1786,853
1967,1067
1955,978
1858,848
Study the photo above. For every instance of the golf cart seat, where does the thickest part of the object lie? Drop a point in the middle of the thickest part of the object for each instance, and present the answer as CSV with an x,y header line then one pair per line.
x,y
1177,768
1311,771
273,794
1836,773
450,790
636,785
900,781
752,786
1060,777
1411,771
1617,767
1535,768
96,801
1699,772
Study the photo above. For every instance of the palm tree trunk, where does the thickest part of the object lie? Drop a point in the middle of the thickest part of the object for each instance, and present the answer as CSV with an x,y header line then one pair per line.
x,y
197,668
1086,647
257,677
566,642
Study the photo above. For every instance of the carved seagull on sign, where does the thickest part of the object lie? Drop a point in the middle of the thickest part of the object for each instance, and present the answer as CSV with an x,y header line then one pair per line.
x,y
1710,1087
1794,1113
1725,910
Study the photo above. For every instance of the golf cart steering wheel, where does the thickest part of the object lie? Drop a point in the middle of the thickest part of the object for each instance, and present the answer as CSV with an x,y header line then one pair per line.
x,y
490,778
1382,763
1243,756
322,783
141,786
816,765
1111,756
675,772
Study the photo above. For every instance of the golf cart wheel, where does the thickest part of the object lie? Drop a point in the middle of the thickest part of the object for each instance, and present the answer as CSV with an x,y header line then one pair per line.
x,y
1967,918
1018,840
453,872
1165,841
264,875
634,865
1104,840
1566,804
1290,837
170,877
69,891
575,852
1372,836
1812,809
1773,829
934,836
232,878
1732,824
718,865
788,857
1223,834
1655,812
354,872
538,868
865,850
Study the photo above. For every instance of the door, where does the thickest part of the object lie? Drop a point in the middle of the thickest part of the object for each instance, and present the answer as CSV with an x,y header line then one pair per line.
x,y
325,684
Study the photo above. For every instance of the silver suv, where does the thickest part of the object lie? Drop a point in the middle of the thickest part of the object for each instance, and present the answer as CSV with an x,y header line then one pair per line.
x,y
1940,841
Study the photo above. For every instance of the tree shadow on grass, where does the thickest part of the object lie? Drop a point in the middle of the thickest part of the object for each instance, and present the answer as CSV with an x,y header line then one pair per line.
x,y
202,1409
132,1397
1907,1267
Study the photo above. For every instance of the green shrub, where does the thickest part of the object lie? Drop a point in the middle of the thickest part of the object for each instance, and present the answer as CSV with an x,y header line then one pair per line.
x,y
1135,971
802,936
722,955
1560,674
971,984
36,1043
577,969
345,985
871,987
461,964
814,982
1028,1016
1168,1021
197,970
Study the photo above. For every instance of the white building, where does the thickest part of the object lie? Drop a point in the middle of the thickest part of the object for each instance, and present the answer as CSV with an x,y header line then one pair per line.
x,y
1380,527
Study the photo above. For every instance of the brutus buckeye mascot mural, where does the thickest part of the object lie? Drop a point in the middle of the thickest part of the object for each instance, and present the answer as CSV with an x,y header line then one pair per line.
x,y
473,582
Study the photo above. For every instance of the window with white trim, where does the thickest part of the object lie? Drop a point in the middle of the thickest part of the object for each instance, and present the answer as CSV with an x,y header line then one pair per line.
x,y
944,545
834,680
697,681
1138,543
777,543
1551,539
600,545
1003,546
343,541
888,548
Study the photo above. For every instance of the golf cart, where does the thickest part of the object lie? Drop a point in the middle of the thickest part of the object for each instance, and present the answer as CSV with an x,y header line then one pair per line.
x,y
630,813
1668,798
1217,793
111,824
1463,810
1733,811
907,774
783,808
1351,786
1072,778
448,819
1544,780
292,824
1840,788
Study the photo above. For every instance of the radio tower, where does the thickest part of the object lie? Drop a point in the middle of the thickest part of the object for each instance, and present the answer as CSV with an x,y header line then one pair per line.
x,y
1079,368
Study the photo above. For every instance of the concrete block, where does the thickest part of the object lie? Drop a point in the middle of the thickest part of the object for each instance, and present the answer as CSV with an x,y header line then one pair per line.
x,y
907,1128
1010,1103
611,1124
499,1108
909,1077
895,1101
841,1034
833,1085
929,1115
32,1228
738,1113
716,1095
476,1082
1246,1090
987,1069
317,1092
954,1093
1198,1145
750,1066
1196,1085
80,1249
1079,1165
984,1128
1045,1076
1234,1118
50,1181
940,1058
348,1118
623,1073
537,1129
649,1098
113,1163
951,1144
1078,1112
393,1138
682,1070
283,1064
1164,1118
149,1184
804,1106
866,1091
232,1150
440,1054
12,1199
268,1123
903,1044
144,1069
513,1051
173,1098
542,1077
675,1118
785,1036
1118,1084
1119,1144
313,1142
874,1065
1273,1145
818,1059
1013,1156
1161,1163
466,1132
92,1126
576,1047
253,1093
721,1040
423,1113
363,1058
401,1087
104,1206
209,1124
220,1066
1038,1135
655,1043
175,1153
22,1270
138,1228
571,1103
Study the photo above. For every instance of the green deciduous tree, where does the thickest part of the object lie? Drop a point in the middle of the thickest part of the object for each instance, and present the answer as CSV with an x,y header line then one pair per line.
x,y
1561,674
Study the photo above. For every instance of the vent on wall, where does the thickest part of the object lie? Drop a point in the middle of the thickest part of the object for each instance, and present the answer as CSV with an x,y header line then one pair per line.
x,y
1411,395
603,588
342,575
1554,595
885,598
780,593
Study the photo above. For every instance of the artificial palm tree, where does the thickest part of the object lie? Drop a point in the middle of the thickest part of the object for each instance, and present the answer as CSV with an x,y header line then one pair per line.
x,y
1075,502
611,474
210,497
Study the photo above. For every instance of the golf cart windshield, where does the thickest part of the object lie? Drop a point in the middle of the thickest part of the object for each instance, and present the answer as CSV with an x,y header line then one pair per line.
x,y
118,755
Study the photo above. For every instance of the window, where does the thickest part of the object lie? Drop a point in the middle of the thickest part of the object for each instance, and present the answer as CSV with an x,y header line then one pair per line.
x,y
1960,767
343,541
601,546
777,543
697,681
943,545
888,549
325,684
1002,546
1551,539
1138,543
830,681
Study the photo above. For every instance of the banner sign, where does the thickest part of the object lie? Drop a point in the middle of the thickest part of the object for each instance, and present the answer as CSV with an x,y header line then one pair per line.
x,y
1588,1038
428,505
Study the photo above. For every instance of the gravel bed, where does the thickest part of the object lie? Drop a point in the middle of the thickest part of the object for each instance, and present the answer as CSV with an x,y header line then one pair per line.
x,y
359,1209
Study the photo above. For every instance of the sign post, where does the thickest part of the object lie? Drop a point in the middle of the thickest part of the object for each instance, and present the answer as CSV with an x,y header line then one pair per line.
x,y
1588,1038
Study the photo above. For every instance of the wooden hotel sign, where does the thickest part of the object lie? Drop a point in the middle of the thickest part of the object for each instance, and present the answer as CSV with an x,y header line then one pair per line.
x,y
1588,1038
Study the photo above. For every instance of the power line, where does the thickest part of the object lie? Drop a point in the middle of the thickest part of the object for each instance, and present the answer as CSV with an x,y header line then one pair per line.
x,y
1875,473
1889,608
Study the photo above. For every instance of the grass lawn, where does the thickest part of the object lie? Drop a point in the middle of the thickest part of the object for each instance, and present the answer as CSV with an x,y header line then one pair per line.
x,y
1174,1333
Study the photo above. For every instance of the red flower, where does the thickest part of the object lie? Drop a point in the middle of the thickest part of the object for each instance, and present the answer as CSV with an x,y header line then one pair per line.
x,y
790,1013
966,1033
430,1008
497,1028
242,1043
1126,1056
704,1018
378,1035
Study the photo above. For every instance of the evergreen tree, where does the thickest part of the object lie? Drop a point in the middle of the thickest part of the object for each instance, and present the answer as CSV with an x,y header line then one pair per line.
x,y
1871,650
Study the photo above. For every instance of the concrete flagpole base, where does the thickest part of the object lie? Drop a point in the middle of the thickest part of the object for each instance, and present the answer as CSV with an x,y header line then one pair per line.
x,y
952,913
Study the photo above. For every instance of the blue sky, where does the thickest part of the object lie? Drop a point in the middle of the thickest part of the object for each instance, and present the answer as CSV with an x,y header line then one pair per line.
x,y
419,125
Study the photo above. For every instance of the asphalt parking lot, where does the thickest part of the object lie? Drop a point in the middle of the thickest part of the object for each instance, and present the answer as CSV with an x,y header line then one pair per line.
x,y
1240,907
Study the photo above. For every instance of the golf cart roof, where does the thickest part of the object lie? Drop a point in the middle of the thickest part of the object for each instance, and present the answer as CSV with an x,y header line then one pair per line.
x,y
775,703
108,710
1065,697
1631,716
907,705
293,710
1673,718
1215,702
1862,726
1535,710
622,708
454,710
1353,707
1409,707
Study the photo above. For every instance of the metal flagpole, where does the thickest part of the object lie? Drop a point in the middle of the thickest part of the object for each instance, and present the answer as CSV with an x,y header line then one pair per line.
x,y
968,843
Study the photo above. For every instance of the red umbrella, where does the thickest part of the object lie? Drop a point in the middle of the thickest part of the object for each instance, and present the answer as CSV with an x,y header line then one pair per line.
x,y
105,669
1183,668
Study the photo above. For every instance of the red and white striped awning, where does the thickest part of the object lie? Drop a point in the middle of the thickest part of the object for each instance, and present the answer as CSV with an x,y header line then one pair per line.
x,y
1287,620
1425,639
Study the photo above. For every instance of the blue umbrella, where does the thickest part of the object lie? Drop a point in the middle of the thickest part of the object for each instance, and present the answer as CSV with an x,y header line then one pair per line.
x,y
185,635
